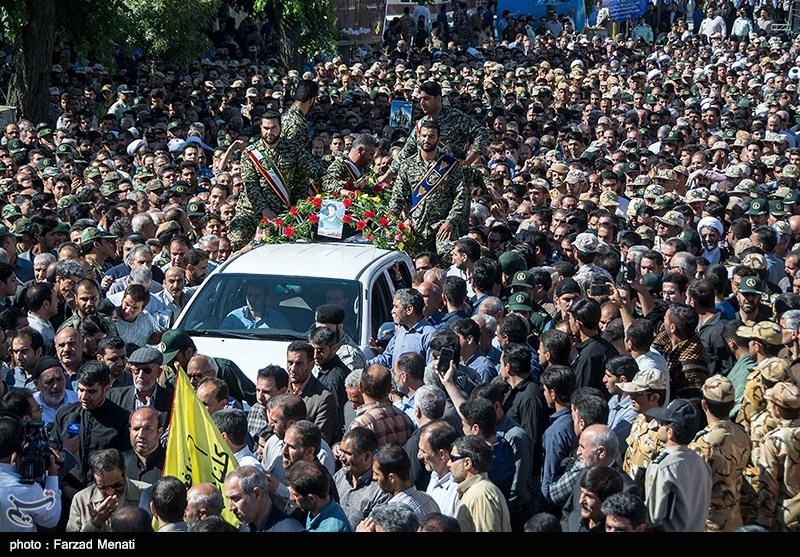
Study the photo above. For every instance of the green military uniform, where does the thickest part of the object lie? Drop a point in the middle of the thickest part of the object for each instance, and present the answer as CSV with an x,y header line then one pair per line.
x,y
643,446
448,201
539,319
726,448
294,126
74,321
458,132
779,465
257,195
337,172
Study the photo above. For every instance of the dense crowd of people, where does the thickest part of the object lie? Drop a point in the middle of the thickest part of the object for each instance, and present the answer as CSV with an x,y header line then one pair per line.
x,y
602,333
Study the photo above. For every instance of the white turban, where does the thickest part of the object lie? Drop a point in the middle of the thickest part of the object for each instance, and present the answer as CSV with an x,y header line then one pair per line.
x,y
710,222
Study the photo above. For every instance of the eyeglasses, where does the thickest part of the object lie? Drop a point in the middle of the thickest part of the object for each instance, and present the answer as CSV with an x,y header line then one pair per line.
x,y
145,370
118,485
455,457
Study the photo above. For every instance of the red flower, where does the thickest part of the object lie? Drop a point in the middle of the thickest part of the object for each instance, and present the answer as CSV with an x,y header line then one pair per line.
x,y
317,202
369,237
289,231
401,225
265,220
361,224
347,219
358,192
312,218
293,211
347,202
369,214
384,221
278,222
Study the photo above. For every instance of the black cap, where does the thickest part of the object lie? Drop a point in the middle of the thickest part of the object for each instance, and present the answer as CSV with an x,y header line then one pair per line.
x,y
568,286
44,364
680,411
330,314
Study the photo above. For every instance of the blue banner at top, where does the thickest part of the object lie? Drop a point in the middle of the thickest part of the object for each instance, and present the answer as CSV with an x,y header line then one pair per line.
x,y
623,10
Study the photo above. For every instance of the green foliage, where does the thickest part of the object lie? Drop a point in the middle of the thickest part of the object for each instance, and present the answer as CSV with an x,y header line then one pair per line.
x,y
172,29
313,20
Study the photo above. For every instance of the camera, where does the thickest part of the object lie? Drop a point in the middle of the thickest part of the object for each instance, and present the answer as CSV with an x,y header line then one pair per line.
x,y
35,458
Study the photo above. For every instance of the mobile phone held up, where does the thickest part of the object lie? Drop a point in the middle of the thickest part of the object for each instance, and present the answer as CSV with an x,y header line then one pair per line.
x,y
630,270
445,357
600,290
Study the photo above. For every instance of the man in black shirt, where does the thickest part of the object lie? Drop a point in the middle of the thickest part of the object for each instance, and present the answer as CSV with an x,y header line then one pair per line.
x,y
593,350
145,460
100,423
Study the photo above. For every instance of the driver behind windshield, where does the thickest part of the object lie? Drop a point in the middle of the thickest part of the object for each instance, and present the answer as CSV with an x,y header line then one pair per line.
x,y
256,313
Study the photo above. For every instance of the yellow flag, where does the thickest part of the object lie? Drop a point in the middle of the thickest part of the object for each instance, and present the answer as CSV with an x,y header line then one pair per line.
x,y
196,451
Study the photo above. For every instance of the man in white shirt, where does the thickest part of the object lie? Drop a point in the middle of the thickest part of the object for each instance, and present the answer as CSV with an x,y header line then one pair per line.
x,y
434,450
42,302
713,25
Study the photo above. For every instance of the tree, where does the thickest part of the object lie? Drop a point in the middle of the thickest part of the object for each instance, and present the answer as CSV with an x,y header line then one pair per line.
x,y
300,27
173,29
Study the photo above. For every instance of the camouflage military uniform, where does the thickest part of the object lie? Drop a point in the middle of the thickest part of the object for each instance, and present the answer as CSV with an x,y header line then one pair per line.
x,y
761,425
726,448
336,172
75,320
752,400
407,27
779,473
351,355
294,163
588,272
643,446
457,133
294,126
449,201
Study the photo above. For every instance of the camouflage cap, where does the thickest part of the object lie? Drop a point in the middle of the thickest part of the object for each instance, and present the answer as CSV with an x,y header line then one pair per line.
x,y
609,198
519,301
646,232
672,218
653,192
109,188
695,196
68,200
775,369
646,379
785,395
11,211
575,176
154,185
791,171
767,331
718,388
587,243
734,171
754,261
21,226
643,180
667,174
